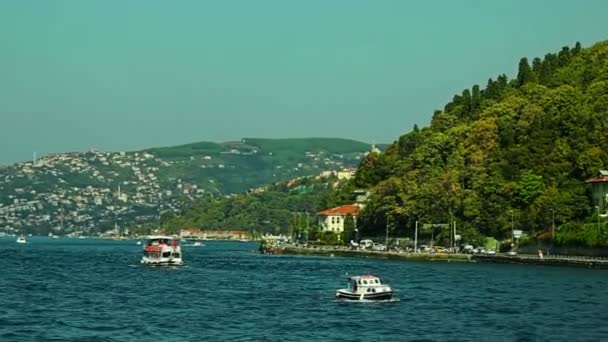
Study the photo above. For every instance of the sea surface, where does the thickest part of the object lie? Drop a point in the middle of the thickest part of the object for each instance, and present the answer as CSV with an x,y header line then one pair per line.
x,y
96,290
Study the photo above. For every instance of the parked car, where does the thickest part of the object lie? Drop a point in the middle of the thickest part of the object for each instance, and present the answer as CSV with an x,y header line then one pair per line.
x,y
468,249
439,249
424,248
490,252
512,253
378,247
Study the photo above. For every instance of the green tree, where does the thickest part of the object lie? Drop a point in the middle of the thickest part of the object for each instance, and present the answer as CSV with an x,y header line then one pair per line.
x,y
475,99
349,233
524,74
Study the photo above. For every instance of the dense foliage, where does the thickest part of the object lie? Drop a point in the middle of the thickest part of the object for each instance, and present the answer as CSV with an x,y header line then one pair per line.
x,y
504,155
283,208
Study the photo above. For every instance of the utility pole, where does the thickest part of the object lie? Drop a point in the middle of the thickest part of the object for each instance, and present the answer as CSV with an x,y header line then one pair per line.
x,y
307,227
299,226
386,239
416,238
512,229
598,218
553,224
454,234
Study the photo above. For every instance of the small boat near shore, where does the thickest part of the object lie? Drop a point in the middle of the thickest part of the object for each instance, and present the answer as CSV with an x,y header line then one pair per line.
x,y
365,287
21,239
162,251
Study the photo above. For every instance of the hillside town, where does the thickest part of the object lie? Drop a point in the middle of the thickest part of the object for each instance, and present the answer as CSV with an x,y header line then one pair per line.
x,y
109,192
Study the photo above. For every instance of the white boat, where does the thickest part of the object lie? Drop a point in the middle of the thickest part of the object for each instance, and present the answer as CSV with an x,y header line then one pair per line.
x,y
21,239
138,243
197,244
365,287
162,251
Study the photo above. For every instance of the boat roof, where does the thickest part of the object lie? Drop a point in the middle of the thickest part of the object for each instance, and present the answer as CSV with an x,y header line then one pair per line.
x,y
364,276
159,237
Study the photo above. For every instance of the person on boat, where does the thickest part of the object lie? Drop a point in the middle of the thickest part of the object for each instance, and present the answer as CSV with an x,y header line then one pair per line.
x,y
174,244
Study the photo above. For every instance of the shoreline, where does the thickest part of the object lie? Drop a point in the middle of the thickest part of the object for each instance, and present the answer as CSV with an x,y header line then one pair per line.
x,y
578,262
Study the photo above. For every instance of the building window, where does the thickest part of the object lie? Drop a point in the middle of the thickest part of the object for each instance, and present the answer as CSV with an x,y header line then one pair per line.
x,y
337,220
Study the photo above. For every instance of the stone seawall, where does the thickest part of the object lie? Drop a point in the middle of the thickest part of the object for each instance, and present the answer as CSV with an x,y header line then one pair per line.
x,y
582,262
325,251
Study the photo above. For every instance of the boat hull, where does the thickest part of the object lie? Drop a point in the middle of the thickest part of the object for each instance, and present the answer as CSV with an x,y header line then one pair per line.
x,y
385,295
172,262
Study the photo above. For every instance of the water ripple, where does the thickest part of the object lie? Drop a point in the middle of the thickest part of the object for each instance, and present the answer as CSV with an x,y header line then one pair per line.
x,y
95,290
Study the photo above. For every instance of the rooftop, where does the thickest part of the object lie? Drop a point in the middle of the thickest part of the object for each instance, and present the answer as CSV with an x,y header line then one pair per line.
x,y
351,209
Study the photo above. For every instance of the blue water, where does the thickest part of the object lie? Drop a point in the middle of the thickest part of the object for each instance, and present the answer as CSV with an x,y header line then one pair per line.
x,y
95,290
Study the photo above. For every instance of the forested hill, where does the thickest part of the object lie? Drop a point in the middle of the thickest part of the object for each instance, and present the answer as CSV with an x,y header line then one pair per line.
x,y
517,149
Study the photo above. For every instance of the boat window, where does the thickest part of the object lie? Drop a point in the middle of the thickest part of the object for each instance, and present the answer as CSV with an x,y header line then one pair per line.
x,y
166,254
365,282
176,255
377,281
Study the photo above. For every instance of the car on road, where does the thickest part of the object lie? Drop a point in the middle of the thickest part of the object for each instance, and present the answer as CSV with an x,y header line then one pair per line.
x,y
378,247
490,252
512,253
439,249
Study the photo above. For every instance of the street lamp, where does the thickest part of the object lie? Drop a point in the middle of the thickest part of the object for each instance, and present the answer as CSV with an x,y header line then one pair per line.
x,y
552,223
598,218
386,239
512,229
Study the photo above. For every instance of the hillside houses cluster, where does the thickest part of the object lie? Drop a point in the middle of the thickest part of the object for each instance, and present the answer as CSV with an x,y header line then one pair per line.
x,y
95,191
85,191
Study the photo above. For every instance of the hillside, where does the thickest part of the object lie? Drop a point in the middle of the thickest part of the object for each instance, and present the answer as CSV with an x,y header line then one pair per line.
x,y
281,208
95,190
514,154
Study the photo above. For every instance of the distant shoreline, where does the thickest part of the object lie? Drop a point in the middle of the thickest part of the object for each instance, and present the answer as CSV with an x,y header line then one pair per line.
x,y
579,262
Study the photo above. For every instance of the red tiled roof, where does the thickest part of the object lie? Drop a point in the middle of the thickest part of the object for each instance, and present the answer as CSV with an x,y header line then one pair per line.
x,y
352,209
597,179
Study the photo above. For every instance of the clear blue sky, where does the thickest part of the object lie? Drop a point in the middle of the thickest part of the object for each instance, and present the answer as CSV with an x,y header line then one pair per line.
x,y
127,74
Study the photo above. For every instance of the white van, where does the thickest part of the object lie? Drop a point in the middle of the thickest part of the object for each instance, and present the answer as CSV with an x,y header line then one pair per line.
x,y
366,244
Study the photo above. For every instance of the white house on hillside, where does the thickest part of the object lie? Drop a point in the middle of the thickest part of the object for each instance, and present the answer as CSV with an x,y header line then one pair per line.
x,y
332,220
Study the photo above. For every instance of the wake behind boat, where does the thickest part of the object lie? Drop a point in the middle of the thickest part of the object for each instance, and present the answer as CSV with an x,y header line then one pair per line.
x,y
162,251
365,287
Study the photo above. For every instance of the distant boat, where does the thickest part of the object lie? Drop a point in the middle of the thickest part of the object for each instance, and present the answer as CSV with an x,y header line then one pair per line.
x,y
162,251
138,243
198,244
21,239
365,287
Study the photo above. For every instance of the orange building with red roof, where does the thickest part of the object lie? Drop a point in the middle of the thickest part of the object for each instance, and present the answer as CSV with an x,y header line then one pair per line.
x,y
332,220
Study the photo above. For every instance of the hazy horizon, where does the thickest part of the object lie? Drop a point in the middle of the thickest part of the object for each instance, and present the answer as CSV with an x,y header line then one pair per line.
x,y
125,75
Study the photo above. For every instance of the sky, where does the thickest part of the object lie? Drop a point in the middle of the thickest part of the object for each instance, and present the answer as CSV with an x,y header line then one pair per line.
x,y
129,74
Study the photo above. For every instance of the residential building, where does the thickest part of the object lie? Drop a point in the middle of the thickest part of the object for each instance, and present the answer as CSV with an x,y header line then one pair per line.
x,y
332,220
599,191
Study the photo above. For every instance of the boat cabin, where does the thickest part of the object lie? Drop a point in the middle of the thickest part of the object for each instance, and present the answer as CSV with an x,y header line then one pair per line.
x,y
365,282
157,247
